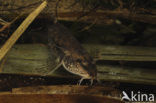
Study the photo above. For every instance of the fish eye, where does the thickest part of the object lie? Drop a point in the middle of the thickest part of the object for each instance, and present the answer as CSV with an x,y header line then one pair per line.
x,y
79,60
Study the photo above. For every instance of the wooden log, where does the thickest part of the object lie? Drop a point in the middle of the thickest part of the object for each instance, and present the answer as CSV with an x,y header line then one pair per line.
x,y
99,52
62,94
51,98
125,74
35,59
69,89
125,53
10,9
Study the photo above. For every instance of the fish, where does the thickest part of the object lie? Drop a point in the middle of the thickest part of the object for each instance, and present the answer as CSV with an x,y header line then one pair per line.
x,y
73,57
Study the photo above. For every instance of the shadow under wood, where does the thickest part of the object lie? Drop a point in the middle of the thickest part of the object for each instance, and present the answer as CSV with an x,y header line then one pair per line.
x,y
9,81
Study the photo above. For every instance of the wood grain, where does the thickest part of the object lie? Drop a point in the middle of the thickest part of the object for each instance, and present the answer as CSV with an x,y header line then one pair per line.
x,y
34,59
71,13
50,98
19,31
62,94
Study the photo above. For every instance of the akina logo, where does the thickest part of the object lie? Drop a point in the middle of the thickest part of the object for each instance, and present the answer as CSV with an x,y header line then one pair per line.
x,y
137,97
